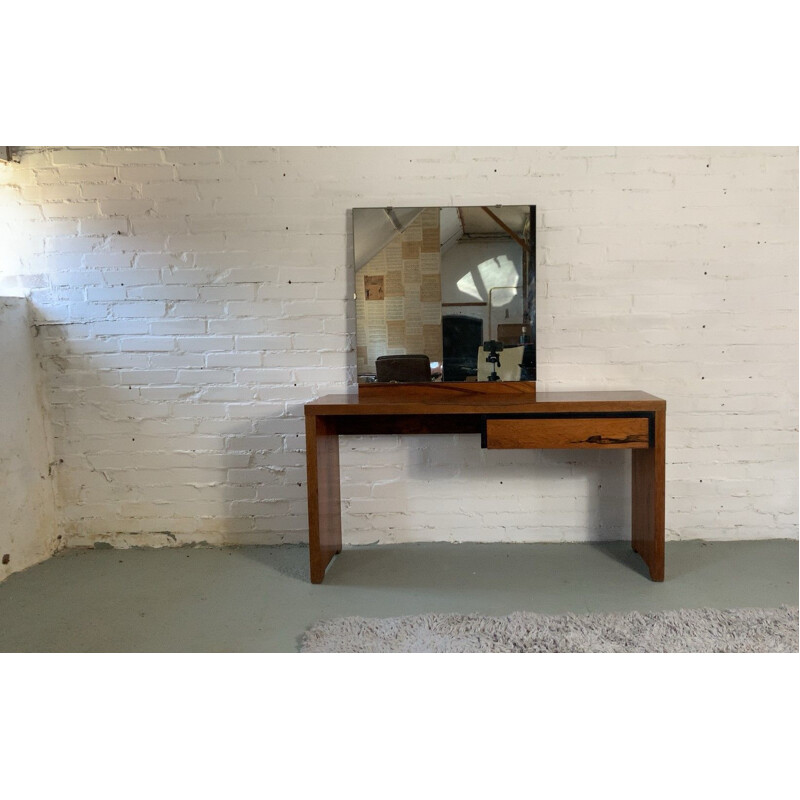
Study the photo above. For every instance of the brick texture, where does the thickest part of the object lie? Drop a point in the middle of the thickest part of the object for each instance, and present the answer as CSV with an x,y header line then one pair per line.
x,y
189,301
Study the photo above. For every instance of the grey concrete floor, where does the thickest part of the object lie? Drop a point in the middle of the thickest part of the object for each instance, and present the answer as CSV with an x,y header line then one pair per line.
x,y
258,599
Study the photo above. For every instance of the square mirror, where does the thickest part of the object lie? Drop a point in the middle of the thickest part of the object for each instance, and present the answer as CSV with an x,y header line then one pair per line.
x,y
445,293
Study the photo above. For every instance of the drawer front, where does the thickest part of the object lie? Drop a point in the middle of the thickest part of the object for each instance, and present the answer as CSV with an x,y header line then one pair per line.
x,y
602,432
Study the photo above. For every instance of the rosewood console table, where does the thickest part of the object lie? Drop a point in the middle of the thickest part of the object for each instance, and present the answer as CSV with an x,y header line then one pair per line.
x,y
517,418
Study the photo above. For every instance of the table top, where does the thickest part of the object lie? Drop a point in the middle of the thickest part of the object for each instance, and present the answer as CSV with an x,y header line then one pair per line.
x,y
452,402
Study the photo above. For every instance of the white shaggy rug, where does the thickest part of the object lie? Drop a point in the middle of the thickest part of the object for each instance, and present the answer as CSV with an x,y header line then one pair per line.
x,y
703,630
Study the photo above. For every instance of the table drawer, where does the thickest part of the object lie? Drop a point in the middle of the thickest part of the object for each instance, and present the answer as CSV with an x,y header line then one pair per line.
x,y
602,432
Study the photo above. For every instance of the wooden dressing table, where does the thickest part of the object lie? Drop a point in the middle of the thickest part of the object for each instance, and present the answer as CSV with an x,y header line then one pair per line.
x,y
506,415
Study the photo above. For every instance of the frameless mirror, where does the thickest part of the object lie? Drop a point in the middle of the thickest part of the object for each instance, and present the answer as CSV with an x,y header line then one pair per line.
x,y
453,284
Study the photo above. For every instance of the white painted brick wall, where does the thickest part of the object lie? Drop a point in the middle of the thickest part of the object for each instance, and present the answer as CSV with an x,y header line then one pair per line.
x,y
191,300
28,524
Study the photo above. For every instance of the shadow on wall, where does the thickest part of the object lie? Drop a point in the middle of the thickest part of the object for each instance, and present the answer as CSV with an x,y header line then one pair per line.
x,y
155,450
265,498
428,488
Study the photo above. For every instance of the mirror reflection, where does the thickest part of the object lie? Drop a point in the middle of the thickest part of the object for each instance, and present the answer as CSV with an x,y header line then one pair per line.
x,y
445,293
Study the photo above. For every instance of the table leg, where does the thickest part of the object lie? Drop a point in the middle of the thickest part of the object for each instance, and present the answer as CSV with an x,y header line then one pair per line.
x,y
324,494
647,519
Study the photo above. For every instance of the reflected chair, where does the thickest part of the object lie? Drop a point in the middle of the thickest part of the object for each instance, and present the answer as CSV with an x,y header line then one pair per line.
x,y
411,368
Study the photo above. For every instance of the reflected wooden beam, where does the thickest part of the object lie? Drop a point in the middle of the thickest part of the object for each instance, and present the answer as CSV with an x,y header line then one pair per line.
x,y
514,236
393,219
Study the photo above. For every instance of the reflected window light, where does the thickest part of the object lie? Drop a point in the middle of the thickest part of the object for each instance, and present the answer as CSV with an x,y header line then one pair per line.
x,y
499,271
466,285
